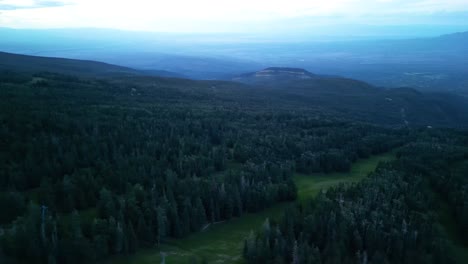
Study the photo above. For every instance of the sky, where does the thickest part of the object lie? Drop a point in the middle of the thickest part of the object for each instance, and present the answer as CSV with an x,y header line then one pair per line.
x,y
239,16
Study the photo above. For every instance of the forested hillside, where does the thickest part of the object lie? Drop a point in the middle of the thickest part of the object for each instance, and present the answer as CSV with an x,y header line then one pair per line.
x,y
97,167
92,168
357,100
391,217
32,64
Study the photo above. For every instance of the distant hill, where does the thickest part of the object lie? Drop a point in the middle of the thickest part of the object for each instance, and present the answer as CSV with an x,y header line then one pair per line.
x,y
274,76
297,78
359,100
289,89
26,63
460,38
427,63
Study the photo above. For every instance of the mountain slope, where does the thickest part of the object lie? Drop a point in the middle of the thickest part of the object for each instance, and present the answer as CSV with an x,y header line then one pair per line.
x,y
18,62
357,100
293,90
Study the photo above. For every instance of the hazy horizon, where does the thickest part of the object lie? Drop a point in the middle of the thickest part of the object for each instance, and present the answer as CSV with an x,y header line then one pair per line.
x,y
264,19
384,42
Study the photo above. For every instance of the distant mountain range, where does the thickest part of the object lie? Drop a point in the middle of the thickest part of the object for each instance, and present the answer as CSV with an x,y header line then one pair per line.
x,y
290,89
428,64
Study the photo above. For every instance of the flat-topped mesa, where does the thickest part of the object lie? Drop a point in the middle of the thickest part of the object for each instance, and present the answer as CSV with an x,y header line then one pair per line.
x,y
275,76
285,71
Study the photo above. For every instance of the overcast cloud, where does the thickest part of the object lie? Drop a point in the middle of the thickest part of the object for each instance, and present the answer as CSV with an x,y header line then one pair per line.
x,y
226,16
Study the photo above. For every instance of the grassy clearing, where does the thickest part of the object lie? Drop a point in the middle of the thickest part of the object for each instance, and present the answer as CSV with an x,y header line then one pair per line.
x,y
223,243
310,185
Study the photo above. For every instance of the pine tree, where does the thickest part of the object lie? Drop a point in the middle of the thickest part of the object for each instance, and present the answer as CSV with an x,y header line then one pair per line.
x,y
295,253
119,238
162,224
132,240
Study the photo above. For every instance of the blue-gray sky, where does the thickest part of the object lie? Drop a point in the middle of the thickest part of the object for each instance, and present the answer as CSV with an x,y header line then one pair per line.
x,y
240,16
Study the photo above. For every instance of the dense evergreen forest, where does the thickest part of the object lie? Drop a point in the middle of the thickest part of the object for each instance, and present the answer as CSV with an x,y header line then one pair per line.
x,y
391,217
97,167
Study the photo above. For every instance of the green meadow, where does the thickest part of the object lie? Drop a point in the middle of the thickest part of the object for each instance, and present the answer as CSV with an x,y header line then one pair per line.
x,y
223,242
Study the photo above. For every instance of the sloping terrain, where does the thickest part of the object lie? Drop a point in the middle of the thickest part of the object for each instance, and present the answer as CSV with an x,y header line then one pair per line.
x,y
359,100
284,89
24,63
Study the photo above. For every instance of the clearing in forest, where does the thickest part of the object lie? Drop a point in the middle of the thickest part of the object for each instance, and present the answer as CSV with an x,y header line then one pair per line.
x,y
223,242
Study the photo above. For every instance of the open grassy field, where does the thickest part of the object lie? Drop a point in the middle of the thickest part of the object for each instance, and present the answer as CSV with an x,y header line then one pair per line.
x,y
308,186
223,242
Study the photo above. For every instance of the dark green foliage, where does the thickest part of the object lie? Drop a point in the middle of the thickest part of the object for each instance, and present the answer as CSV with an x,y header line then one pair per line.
x,y
388,218
13,204
91,168
447,174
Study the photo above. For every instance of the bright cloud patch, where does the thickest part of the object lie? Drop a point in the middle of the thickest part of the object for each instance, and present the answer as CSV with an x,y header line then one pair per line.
x,y
217,15
30,4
